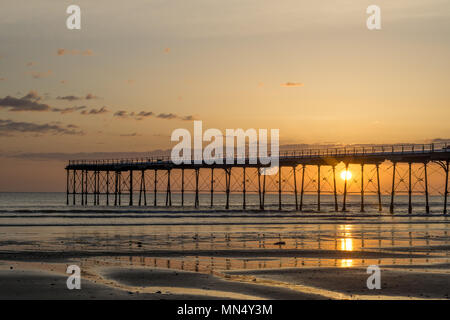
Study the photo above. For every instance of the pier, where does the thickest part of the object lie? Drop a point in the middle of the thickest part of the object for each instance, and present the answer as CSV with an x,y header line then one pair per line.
x,y
129,181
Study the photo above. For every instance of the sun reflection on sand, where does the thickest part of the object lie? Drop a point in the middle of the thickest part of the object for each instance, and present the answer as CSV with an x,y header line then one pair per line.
x,y
346,244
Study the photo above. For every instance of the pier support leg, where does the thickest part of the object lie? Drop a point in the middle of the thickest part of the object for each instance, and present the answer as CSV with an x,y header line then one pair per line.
x,y
344,206
86,187
279,188
82,187
409,190
155,190
94,188
362,187
446,188
140,192
197,202
264,191
97,191
391,208
94,191
302,191
120,188
379,188
259,188
145,188
168,192
427,205
227,187
107,188
243,188
67,186
98,187
116,189
131,188
318,188
212,187
295,188
74,185
336,208
182,187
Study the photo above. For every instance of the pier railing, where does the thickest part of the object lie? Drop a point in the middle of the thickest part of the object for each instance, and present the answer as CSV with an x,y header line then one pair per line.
x,y
396,149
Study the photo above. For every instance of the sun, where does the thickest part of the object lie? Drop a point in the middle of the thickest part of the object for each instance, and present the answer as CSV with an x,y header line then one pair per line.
x,y
346,175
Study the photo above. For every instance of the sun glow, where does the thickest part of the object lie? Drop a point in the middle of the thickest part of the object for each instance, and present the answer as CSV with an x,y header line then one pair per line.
x,y
346,175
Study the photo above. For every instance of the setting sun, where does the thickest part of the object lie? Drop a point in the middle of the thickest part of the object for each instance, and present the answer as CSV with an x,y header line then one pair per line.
x,y
346,175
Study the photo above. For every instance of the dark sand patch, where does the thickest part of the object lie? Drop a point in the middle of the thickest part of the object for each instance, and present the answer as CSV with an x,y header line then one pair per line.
x,y
140,277
352,281
20,284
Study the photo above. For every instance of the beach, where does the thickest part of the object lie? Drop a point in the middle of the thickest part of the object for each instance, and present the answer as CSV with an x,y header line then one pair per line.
x,y
162,253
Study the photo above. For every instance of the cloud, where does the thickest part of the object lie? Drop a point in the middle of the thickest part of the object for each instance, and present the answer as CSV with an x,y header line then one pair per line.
x,y
137,116
64,52
134,134
41,75
188,118
292,84
121,114
146,114
68,98
167,116
29,102
95,111
32,95
69,109
10,127
88,96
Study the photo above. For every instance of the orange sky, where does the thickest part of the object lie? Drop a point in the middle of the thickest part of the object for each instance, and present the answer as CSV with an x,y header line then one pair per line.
x,y
139,69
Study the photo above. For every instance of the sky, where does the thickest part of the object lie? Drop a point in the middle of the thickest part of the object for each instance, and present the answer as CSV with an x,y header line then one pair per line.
x,y
139,69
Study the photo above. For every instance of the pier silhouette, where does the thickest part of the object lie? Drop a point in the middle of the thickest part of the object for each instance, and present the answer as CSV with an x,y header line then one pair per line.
x,y
112,178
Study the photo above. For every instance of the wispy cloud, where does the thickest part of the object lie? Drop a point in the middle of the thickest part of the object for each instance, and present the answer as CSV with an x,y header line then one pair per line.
x,y
121,114
292,84
95,111
68,98
10,127
68,109
134,134
167,116
146,114
133,115
88,96
64,52
41,75
188,118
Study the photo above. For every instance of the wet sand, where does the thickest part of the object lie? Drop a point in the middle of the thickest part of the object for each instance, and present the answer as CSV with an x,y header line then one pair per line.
x,y
285,260
41,285
26,275
350,283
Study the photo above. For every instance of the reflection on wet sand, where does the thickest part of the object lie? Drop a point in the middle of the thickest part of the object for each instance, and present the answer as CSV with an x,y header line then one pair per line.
x,y
219,250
